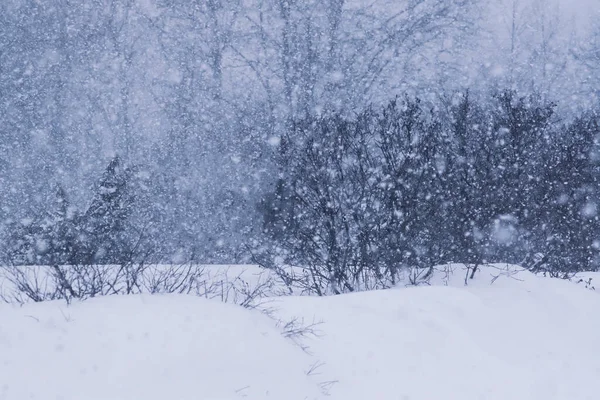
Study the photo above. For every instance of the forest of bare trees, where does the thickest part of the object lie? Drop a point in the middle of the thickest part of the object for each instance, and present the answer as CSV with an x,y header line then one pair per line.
x,y
205,113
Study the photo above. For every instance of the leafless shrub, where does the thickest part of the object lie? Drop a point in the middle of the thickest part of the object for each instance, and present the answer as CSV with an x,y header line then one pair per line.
x,y
507,271
251,296
295,280
25,284
181,279
326,387
587,282
470,269
314,281
419,276
297,330
567,275
447,270
22,284
314,368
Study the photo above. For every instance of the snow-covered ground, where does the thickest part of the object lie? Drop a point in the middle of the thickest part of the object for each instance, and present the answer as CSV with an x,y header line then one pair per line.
x,y
507,335
147,347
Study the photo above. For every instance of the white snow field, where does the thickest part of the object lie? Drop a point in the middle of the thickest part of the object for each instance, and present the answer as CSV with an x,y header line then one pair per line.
x,y
147,347
518,337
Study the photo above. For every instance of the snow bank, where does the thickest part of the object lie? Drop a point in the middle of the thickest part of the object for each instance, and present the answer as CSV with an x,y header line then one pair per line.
x,y
520,337
507,335
147,347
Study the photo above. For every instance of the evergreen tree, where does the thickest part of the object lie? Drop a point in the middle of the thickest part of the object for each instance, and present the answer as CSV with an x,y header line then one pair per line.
x,y
104,224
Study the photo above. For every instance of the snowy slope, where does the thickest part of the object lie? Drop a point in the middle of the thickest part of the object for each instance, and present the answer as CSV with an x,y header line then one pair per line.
x,y
147,347
521,337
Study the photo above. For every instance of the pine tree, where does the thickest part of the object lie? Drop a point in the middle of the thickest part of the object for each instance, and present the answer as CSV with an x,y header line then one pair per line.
x,y
103,231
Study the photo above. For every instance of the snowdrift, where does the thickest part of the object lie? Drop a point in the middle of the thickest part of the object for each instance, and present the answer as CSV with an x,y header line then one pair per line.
x,y
146,348
507,335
